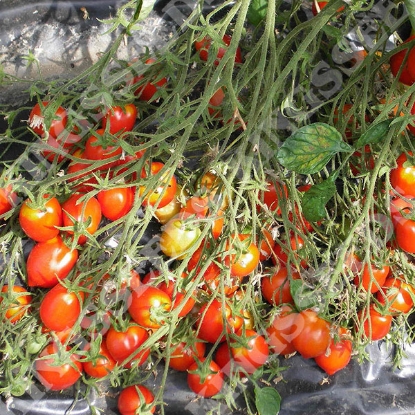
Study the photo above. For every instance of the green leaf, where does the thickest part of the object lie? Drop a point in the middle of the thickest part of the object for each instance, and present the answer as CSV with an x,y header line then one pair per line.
x,y
315,199
374,134
257,11
267,401
311,147
304,297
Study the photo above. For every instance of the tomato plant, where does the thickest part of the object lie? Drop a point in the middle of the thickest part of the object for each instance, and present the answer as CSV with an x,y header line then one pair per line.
x,y
41,221
60,308
83,215
203,46
50,261
14,301
38,122
205,379
120,119
57,372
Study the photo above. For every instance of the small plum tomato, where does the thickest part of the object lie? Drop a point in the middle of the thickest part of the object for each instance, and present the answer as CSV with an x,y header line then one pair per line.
x,y
126,346
58,148
205,378
116,202
14,302
224,359
100,365
338,354
282,330
60,308
402,177
8,199
84,216
49,262
214,319
120,118
80,176
396,295
149,305
375,324
312,335
289,248
40,221
38,122
100,147
183,355
407,70
266,244
276,287
372,278
215,103
165,213
55,376
274,196
163,192
130,400
251,352
203,46
403,219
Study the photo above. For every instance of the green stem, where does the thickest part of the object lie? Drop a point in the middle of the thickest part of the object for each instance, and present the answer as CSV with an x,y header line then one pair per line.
x,y
410,7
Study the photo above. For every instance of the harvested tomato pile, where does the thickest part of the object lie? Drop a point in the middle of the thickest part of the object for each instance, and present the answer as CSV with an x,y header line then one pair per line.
x,y
210,209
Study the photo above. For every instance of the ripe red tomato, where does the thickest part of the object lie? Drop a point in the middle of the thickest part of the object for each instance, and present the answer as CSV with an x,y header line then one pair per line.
x,y
54,376
183,355
123,345
164,193
338,354
59,147
120,119
282,330
117,202
50,261
41,222
404,227
205,381
372,277
396,63
100,365
292,244
215,103
148,306
274,196
375,325
38,123
76,212
266,244
16,302
252,353
99,147
214,319
321,5
396,295
130,400
8,199
244,257
223,358
60,308
203,46
83,181
146,91
276,287
402,177
312,335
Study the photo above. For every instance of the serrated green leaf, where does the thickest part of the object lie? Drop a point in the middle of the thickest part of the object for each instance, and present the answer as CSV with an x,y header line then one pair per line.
x,y
311,147
257,11
315,199
374,134
267,401
303,296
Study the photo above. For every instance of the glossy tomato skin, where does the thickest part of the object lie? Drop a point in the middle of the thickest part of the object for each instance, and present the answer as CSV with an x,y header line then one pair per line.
x,y
100,366
282,330
117,202
372,277
60,308
211,326
97,147
375,325
312,335
123,345
58,148
85,179
274,196
57,377
19,302
293,243
177,297
276,287
120,119
149,306
8,199
88,210
404,227
37,120
254,354
396,295
129,400
407,75
203,47
50,261
338,354
402,177
183,355
41,223
208,386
